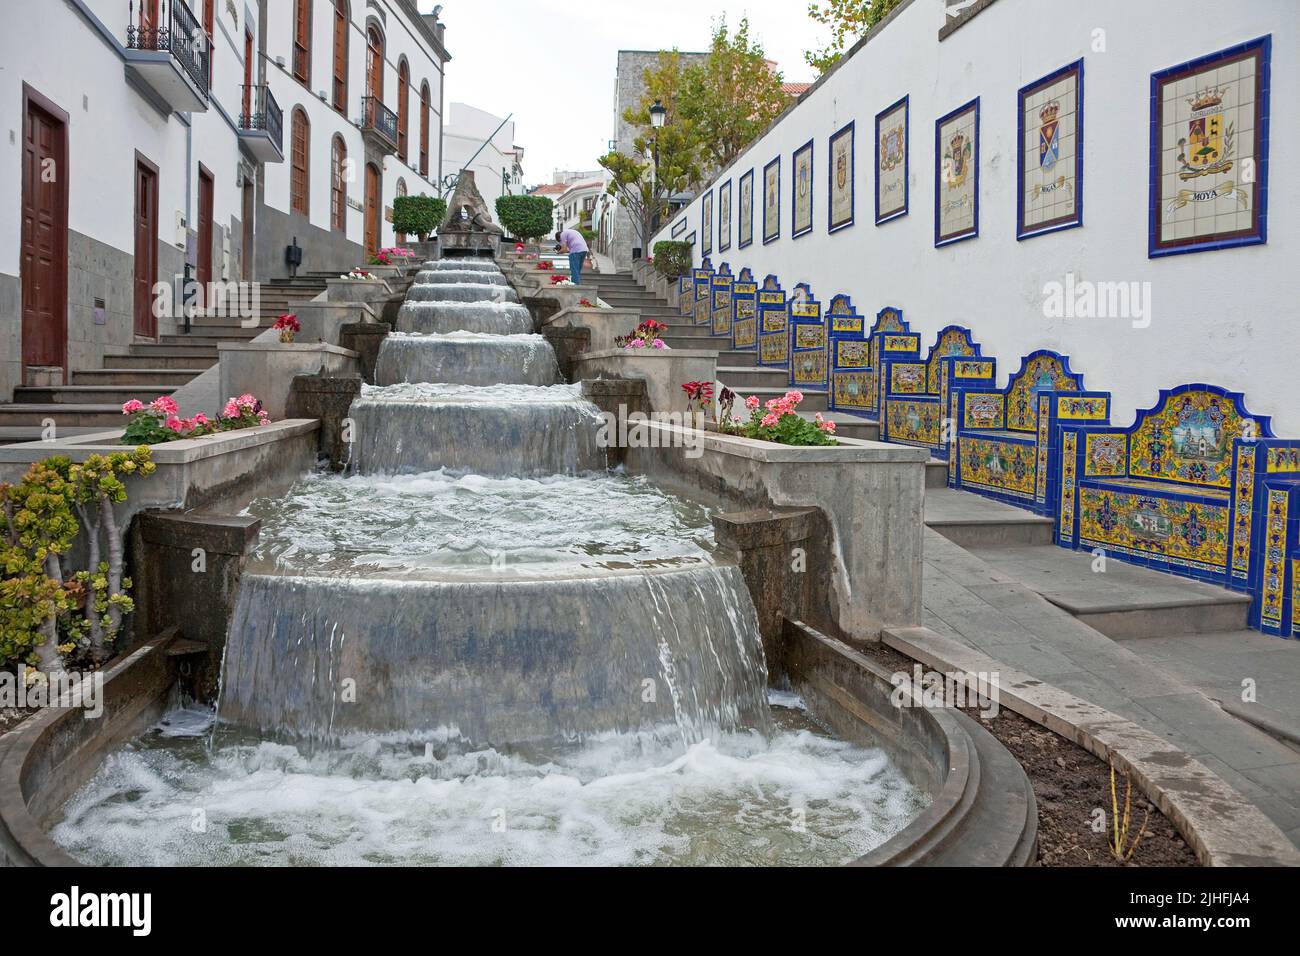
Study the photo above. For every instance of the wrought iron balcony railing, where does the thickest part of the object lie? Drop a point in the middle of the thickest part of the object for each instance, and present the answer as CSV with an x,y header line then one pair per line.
x,y
379,118
261,112
172,28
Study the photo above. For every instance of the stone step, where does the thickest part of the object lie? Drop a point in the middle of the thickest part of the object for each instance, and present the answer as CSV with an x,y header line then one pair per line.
x,y
674,341
973,521
846,425
91,394
740,377
63,415
13,434
211,341
734,359
166,356
142,375
1121,600
936,473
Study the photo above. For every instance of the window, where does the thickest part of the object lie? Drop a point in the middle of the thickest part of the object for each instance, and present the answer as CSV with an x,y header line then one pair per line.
x,y
299,180
302,42
401,191
375,63
341,19
424,129
403,108
339,186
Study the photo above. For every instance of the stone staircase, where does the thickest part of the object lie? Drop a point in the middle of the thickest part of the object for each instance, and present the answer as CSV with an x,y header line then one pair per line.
x,y
92,400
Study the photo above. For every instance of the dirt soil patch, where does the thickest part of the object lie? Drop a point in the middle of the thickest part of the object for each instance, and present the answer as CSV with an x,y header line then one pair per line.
x,y
1070,785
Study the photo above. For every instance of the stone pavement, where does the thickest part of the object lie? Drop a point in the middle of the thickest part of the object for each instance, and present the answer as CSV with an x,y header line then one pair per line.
x,y
970,600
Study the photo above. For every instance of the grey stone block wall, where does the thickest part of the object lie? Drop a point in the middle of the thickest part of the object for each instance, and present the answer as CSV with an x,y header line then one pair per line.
x,y
98,271
11,336
322,249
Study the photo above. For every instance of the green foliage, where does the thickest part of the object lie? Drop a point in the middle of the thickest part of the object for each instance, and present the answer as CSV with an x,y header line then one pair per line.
x,y
732,97
848,20
526,217
789,430
40,517
418,215
673,259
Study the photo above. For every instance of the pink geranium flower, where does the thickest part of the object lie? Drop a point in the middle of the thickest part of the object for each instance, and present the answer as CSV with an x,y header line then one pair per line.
x,y
752,402
133,406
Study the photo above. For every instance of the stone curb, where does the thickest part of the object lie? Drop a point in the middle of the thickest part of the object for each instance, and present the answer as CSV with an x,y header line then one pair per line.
x,y
1219,824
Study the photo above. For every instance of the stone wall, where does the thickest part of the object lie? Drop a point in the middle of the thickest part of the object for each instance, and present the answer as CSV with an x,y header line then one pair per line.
x,y
323,250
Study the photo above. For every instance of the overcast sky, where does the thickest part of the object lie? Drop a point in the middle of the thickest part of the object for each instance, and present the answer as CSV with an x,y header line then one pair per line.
x,y
552,64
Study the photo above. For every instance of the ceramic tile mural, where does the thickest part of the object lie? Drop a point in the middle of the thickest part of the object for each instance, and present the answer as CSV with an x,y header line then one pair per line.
x,y
1295,594
956,175
1191,534
1044,437
706,223
1001,466
1274,571
892,161
724,216
1050,170
854,389
1209,145
1041,372
1105,455
913,423
951,341
772,200
1245,498
801,189
841,179
1284,460
852,354
1085,408
745,228
907,379
1069,473
1188,439
984,410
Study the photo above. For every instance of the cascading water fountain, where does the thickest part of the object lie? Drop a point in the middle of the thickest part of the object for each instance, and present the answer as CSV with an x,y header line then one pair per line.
x,y
480,620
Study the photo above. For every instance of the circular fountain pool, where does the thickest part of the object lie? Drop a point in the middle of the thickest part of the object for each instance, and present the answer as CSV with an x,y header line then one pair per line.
x,y
793,797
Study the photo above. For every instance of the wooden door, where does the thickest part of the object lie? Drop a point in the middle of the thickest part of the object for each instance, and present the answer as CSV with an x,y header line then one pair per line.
x,y
148,14
205,232
374,73
146,247
372,209
248,80
248,231
44,253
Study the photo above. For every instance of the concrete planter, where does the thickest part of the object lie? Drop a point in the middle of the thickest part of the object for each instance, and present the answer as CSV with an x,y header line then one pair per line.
x,y
356,290
663,371
226,470
321,319
871,493
267,368
603,325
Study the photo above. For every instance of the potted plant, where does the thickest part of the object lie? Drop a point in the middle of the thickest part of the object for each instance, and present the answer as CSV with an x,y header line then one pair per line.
x,y
646,336
287,325
698,397
776,421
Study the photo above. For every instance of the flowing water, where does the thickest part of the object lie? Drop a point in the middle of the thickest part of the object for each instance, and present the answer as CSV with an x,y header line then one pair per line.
x,y
482,648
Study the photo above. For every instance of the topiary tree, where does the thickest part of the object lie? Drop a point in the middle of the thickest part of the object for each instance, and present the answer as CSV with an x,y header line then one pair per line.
x,y
526,217
418,215
673,259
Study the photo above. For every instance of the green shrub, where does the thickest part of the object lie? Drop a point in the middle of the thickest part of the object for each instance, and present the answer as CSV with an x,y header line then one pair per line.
x,y
418,215
526,217
673,259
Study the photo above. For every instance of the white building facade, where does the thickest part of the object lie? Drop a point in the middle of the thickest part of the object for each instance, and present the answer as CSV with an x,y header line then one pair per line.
x,y
154,142
1218,311
477,140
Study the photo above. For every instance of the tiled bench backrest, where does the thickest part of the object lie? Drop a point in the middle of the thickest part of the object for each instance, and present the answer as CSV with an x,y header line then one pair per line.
x,y
855,376
686,295
808,343
1167,490
744,312
1007,439
773,325
917,392
720,304
1268,507
703,292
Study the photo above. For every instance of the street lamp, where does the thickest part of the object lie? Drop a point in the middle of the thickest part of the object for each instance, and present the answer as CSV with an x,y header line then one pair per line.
x,y
658,116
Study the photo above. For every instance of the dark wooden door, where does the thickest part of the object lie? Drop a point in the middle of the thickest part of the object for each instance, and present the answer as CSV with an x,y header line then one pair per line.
x,y
248,79
44,256
146,248
248,230
205,232
372,210
148,14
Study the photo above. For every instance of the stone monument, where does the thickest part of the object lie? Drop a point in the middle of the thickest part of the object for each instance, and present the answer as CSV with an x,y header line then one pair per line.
x,y
468,228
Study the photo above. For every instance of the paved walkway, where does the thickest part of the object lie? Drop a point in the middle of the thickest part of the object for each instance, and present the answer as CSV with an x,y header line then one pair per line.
x,y
1152,682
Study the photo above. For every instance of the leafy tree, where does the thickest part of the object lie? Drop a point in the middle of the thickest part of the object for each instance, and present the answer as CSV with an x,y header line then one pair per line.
x,y
732,96
526,217
848,20
418,215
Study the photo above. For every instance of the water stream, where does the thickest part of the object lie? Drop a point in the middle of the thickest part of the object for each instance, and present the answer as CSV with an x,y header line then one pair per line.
x,y
480,647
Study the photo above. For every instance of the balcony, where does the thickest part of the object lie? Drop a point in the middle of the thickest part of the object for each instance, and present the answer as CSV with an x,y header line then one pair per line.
x,y
261,125
167,55
379,124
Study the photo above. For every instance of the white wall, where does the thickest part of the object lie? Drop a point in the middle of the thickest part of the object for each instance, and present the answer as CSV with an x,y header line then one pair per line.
x,y
466,130
1225,317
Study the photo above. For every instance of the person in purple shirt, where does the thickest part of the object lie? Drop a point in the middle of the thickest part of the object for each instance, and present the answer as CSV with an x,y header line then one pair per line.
x,y
571,241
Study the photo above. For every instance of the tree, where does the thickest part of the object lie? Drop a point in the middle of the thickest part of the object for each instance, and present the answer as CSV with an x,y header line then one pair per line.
x,y
732,97
418,215
848,20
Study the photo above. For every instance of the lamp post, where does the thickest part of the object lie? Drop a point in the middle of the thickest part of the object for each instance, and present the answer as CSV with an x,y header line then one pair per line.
x,y
658,116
